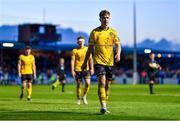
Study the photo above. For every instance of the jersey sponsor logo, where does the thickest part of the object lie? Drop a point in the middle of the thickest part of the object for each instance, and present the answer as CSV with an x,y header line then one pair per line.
x,y
111,34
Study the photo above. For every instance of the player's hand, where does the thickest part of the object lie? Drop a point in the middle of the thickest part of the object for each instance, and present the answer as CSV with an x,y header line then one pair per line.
x,y
83,67
19,74
117,57
159,67
92,71
34,76
73,74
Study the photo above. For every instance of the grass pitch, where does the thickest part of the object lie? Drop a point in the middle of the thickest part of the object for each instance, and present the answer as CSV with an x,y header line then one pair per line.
x,y
126,102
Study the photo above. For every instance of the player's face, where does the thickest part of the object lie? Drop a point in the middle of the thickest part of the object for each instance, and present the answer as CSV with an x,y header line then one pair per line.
x,y
81,43
61,61
105,20
152,56
28,51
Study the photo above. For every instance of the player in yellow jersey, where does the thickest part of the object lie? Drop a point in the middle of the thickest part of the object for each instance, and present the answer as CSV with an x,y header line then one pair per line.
x,y
26,71
102,39
77,60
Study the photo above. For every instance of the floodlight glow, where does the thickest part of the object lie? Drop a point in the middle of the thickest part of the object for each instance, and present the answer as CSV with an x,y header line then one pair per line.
x,y
8,45
147,51
169,55
159,55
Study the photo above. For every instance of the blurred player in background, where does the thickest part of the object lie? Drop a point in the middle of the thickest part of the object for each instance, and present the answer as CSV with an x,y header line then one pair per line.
x,y
152,67
102,39
77,60
61,75
26,71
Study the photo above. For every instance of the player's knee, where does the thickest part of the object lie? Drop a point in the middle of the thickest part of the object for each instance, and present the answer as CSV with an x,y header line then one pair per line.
x,y
29,83
88,84
78,82
151,82
24,83
88,81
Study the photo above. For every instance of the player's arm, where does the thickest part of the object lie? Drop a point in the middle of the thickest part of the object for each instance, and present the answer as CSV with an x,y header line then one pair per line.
x,y
118,51
117,46
91,67
159,67
88,53
34,69
73,64
19,67
64,72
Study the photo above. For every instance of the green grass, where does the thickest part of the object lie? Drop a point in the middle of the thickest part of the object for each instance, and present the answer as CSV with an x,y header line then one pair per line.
x,y
126,102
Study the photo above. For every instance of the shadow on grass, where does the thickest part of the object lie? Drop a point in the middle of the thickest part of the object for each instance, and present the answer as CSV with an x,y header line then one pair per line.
x,y
67,115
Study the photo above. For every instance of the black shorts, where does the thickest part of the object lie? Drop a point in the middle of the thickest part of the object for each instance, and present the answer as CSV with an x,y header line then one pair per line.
x,y
103,70
82,75
28,77
151,76
61,76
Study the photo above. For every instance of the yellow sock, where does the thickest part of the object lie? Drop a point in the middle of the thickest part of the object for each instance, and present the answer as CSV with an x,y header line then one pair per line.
x,y
102,94
29,90
56,83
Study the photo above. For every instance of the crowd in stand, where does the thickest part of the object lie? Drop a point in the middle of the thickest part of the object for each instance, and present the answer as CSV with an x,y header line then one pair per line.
x,y
46,69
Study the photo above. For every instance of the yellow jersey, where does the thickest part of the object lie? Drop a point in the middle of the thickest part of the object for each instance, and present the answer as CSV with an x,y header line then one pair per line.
x,y
103,41
78,55
26,64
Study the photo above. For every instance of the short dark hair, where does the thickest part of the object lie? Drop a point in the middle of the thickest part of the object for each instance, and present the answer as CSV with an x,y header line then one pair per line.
x,y
152,54
28,47
80,37
104,12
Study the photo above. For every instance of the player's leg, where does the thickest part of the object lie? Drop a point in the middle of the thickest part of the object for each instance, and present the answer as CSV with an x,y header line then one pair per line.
x,y
151,83
86,76
56,83
78,86
101,91
29,90
22,89
23,86
29,86
63,83
108,80
100,72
